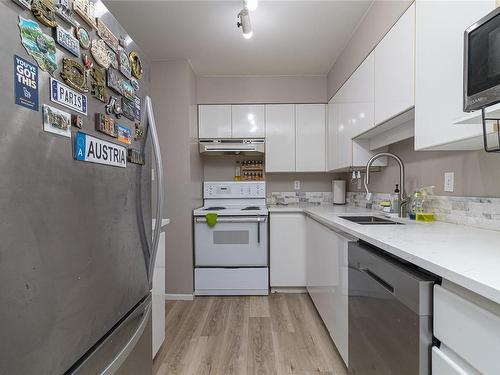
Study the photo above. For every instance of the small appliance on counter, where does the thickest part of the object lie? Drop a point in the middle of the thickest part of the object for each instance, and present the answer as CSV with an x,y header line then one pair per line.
x,y
338,190
481,82
231,239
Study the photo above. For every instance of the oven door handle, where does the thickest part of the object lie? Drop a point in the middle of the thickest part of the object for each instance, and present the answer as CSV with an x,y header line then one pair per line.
x,y
257,220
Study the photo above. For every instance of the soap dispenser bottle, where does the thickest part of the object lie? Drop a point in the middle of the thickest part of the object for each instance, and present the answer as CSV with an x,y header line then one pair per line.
x,y
395,200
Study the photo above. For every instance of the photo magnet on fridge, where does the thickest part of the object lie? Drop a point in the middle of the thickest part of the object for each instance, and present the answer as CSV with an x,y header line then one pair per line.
x,y
26,83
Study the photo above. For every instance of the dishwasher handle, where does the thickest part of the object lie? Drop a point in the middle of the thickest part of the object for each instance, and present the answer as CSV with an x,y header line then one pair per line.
x,y
387,286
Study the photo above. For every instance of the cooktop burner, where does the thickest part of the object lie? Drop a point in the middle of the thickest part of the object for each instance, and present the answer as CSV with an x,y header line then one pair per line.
x,y
214,208
250,208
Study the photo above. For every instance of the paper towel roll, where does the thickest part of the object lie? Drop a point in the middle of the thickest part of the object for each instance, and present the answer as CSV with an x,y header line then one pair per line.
x,y
338,190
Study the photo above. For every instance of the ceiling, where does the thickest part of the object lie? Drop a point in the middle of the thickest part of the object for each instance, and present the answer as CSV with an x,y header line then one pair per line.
x,y
290,37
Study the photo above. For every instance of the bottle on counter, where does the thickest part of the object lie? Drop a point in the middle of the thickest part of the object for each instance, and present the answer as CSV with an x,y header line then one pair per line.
x,y
395,204
237,172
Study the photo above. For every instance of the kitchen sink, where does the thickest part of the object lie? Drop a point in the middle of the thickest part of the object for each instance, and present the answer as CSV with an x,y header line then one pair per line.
x,y
370,220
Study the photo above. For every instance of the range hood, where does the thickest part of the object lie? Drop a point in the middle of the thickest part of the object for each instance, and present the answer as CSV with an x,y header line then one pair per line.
x,y
232,146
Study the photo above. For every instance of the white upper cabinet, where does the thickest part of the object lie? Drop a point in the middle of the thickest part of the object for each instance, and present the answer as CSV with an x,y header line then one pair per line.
x,y
214,121
395,67
280,138
350,113
248,121
310,141
440,29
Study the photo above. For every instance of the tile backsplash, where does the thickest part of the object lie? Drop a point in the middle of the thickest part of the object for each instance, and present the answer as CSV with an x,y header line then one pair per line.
x,y
473,211
299,197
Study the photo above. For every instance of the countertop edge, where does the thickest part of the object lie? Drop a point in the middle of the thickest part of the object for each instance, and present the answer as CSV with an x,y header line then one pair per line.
x,y
482,289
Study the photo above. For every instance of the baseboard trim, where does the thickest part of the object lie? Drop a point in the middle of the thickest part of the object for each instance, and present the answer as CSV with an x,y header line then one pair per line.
x,y
293,289
179,297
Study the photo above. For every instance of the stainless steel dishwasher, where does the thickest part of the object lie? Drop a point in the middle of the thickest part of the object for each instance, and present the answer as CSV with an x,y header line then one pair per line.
x,y
390,314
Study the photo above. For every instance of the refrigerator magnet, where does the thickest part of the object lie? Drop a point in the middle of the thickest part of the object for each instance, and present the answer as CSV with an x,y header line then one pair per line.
x,y
56,121
45,12
124,134
40,46
25,83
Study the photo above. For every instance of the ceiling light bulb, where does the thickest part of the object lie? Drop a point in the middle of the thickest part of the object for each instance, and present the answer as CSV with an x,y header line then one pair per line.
x,y
244,23
251,5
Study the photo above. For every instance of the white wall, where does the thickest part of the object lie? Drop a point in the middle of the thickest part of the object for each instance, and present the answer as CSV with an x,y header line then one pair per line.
x,y
173,90
261,89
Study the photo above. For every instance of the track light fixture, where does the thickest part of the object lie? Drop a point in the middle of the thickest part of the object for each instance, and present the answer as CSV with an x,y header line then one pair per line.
x,y
244,23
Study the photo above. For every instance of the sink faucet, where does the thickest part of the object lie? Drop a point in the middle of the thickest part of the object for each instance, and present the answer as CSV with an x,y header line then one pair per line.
x,y
403,201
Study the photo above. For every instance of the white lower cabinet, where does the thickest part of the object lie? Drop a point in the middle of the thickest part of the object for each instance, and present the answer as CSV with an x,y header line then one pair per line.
x,y
158,297
326,279
468,327
287,242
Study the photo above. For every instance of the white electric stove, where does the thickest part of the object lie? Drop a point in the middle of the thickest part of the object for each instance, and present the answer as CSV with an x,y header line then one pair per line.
x,y
232,257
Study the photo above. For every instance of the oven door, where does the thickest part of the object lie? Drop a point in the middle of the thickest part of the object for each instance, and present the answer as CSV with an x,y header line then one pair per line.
x,y
234,241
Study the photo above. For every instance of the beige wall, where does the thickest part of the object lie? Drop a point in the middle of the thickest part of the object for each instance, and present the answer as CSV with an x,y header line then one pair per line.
x,y
256,89
377,22
222,168
174,96
477,173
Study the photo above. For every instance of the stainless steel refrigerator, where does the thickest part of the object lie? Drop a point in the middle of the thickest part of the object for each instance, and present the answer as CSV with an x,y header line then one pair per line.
x,y
76,238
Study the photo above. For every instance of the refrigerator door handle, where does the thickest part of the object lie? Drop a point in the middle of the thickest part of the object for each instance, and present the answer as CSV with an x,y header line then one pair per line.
x,y
159,187
121,357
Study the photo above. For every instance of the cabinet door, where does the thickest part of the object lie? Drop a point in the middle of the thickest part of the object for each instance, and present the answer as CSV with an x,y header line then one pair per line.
x,y
395,68
440,29
310,131
248,121
214,121
287,250
331,135
280,138
327,278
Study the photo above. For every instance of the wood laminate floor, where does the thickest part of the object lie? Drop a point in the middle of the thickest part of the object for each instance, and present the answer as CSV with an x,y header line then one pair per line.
x,y
276,334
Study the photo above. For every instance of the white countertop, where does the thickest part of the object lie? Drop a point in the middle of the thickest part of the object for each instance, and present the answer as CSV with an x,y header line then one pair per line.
x,y
467,256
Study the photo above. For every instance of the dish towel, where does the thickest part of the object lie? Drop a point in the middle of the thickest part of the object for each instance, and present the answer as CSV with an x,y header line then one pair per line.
x,y
211,219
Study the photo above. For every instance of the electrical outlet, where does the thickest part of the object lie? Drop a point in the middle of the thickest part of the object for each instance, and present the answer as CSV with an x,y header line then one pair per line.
x,y
296,184
449,181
